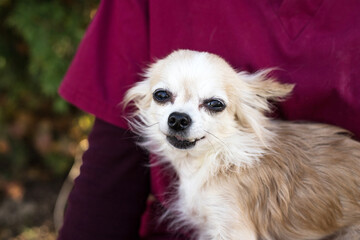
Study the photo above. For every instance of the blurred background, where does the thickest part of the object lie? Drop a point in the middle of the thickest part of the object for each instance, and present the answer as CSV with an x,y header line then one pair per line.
x,y
40,134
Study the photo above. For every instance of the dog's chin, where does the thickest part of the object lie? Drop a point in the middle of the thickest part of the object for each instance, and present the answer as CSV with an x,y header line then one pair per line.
x,y
181,143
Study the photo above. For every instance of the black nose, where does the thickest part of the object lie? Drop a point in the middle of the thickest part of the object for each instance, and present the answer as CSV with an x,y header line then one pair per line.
x,y
179,121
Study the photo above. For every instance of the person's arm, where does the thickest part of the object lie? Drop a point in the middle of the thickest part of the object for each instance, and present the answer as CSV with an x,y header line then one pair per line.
x,y
110,194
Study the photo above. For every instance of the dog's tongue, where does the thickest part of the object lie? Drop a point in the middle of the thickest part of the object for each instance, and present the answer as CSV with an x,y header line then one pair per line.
x,y
179,138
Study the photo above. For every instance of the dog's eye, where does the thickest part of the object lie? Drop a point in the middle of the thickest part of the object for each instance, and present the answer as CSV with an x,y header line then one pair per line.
x,y
214,105
161,95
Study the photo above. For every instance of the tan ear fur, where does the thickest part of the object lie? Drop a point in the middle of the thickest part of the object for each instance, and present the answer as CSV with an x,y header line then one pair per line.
x,y
253,92
265,88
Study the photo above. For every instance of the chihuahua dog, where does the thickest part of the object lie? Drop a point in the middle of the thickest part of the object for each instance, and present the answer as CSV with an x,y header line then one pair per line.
x,y
242,175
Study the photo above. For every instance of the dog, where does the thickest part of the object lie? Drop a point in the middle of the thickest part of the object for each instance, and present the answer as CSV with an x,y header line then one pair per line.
x,y
241,174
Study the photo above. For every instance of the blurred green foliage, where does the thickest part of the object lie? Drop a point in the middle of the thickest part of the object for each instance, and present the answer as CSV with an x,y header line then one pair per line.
x,y
38,39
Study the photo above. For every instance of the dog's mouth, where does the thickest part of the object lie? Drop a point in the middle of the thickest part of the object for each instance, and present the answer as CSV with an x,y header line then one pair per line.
x,y
182,143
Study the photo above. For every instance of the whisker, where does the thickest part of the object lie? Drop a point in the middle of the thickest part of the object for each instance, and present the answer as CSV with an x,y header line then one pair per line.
x,y
151,125
219,140
212,145
215,137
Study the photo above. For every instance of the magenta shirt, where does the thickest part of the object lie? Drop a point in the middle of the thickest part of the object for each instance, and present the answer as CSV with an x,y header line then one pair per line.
x,y
315,43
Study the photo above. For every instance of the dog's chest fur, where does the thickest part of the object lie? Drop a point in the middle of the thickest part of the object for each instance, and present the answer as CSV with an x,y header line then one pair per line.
x,y
213,208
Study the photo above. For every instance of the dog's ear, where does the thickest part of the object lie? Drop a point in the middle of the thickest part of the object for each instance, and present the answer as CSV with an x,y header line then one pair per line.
x,y
264,89
253,93
138,97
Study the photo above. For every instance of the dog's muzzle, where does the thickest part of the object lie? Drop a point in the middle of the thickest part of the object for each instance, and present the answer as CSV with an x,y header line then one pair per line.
x,y
178,124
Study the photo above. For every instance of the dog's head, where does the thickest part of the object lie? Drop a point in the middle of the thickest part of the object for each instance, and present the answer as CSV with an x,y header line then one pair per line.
x,y
195,102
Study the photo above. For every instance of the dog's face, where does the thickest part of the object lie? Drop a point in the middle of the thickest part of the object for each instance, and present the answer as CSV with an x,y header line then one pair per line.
x,y
194,102
189,101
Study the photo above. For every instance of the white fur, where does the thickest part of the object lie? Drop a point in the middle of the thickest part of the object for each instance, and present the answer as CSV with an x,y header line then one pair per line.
x,y
227,146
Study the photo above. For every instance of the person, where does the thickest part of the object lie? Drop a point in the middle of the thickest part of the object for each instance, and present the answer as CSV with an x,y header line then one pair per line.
x,y
314,44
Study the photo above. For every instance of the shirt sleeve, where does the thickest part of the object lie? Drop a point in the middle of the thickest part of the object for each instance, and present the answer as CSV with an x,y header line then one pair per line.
x,y
109,196
109,60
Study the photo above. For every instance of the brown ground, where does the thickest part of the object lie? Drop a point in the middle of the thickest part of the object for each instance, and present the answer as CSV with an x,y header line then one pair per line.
x,y
26,209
